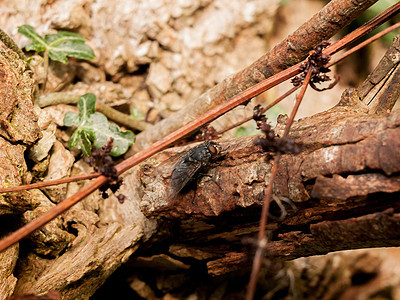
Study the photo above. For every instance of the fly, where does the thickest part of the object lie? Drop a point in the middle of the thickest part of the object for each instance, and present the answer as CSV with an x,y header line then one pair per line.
x,y
191,162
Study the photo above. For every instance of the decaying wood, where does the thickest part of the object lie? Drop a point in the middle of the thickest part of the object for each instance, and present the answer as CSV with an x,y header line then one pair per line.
x,y
344,185
8,261
18,129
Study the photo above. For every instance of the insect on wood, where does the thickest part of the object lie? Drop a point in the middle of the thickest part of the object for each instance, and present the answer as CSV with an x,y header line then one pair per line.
x,y
188,165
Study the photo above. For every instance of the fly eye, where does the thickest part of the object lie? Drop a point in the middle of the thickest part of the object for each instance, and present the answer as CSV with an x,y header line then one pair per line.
x,y
213,149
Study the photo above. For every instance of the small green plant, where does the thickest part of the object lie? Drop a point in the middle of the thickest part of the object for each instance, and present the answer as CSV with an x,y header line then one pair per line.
x,y
57,46
136,114
93,127
248,130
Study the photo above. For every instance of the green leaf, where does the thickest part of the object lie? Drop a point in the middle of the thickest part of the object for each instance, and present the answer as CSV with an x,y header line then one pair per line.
x,y
103,130
86,107
80,140
62,36
85,143
94,127
136,114
61,45
71,119
87,104
38,43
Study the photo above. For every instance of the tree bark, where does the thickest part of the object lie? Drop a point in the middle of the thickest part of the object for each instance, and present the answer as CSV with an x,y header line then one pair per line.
x,y
344,185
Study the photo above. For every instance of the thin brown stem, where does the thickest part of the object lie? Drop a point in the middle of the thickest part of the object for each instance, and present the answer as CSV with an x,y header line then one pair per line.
x,y
120,117
209,116
52,213
331,63
363,44
279,99
258,256
299,98
72,99
46,69
38,185
261,242
366,28
268,195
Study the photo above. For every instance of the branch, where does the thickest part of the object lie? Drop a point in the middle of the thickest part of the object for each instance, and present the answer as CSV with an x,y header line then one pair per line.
x,y
262,241
366,86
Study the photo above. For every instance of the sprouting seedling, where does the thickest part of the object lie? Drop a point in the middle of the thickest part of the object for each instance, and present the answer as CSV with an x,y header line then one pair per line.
x,y
58,46
93,127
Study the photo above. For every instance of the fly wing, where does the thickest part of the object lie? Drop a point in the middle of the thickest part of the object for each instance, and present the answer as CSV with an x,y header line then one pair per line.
x,y
167,166
183,172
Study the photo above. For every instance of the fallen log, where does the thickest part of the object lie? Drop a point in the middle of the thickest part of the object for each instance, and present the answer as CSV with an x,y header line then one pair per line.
x,y
344,185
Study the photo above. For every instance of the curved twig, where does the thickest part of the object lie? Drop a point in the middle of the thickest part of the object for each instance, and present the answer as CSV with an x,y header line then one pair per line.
x,y
363,44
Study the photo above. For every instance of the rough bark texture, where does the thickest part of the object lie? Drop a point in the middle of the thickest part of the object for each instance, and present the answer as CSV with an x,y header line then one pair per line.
x,y
18,120
8,260
361,274
18,129
344,185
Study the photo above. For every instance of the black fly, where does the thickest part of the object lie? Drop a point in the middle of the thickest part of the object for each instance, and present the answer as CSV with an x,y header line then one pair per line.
x,y
187,166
